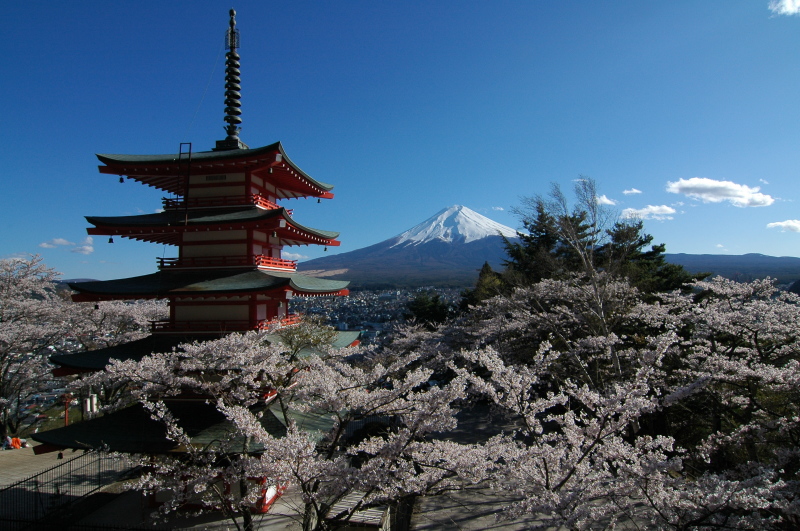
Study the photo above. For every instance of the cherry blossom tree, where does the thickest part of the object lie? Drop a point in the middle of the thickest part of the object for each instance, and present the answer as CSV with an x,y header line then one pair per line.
x,y
373,449
109,323
660,410
37,318
678,413
32,318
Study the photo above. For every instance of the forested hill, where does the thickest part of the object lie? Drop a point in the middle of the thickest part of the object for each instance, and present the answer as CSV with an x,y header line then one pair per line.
x,y
742,268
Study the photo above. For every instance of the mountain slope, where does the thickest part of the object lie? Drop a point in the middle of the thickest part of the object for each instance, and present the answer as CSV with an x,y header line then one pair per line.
x,y
457,224
447,249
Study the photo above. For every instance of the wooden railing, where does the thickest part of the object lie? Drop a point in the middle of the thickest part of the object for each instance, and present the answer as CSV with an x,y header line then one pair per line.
x,y
205,261
223,325
260,260
289,320
252,199
275,263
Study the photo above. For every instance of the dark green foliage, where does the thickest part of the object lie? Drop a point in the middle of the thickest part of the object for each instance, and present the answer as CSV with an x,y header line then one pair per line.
x,y
624,254
533,257
428,309
489,284
559,242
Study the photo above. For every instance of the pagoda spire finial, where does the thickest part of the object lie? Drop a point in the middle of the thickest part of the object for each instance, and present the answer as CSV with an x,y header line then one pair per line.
x,y
233,104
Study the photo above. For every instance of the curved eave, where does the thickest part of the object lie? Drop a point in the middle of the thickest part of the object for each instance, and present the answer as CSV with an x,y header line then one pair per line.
x,y
169,172
296,234
166,227
96,360
206,284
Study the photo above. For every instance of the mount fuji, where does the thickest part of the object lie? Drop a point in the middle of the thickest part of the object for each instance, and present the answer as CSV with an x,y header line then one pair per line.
x,y
447,250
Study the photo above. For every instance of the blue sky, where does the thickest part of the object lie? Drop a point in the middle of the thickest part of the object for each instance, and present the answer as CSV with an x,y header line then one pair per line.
x,y
686,113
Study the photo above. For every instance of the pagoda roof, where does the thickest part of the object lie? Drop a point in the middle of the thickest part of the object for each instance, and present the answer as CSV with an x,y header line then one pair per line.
x,y
165,227
205,283
169,172
133,430
97,360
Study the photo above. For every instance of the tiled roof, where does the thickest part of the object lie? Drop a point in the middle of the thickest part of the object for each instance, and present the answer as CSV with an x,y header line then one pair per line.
x,y
177,283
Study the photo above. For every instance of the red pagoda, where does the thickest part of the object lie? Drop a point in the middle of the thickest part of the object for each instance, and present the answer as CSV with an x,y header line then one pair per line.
x,y
223,215
224,218
228,276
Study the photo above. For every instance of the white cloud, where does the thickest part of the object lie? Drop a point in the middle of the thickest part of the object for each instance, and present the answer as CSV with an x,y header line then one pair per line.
x,y
791,225
498,208
660,212
763,181
720,246
785,7
55,242
603,200
631,191
713,191
83,249
87,241
293,256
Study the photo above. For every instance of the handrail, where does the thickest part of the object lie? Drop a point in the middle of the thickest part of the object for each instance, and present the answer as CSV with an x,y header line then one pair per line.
x,y
262,261
276,263
237,200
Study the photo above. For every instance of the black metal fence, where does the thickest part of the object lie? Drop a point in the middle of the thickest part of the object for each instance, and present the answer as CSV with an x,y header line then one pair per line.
x,y
29,503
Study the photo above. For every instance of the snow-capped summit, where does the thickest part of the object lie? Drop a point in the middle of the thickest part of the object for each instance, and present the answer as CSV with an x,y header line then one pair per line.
x,y
448,249
455,224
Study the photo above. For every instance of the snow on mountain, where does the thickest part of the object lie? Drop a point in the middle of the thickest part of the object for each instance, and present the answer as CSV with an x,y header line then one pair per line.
x,y
455,224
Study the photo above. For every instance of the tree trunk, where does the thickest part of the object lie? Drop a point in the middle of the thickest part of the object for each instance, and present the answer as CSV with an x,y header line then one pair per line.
x,y
247,516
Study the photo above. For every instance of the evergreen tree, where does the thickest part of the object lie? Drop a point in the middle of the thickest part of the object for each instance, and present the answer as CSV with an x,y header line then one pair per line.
x,y
490,284
625,254
428,309
560,241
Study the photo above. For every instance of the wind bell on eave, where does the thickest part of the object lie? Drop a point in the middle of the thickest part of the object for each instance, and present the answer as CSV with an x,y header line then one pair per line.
x,y
233,104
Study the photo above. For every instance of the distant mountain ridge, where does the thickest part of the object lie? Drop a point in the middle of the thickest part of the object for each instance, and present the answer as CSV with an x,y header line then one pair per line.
x,y
742,268
449,248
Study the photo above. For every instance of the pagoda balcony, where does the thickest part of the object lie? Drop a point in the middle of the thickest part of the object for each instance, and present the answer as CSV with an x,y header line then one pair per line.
x,y
260,261
225,201
268,262
216,326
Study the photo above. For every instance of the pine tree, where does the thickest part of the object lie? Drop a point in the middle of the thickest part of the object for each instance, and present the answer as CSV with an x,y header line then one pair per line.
x,y
560,241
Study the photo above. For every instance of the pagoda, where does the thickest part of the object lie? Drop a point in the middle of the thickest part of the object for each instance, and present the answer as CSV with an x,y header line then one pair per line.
x,y
224,218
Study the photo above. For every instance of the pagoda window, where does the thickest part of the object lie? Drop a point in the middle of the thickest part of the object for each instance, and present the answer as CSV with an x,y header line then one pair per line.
x,y
231,249
216,185
216,179
217,236
218,191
